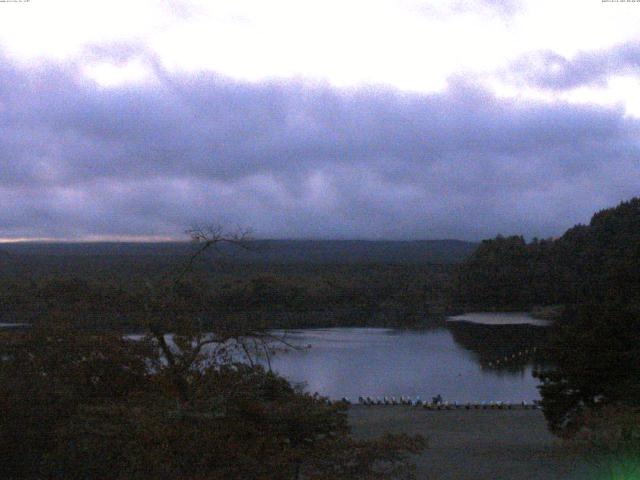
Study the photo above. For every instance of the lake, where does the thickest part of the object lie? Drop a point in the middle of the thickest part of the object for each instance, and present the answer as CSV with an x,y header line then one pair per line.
x,y
472,358
463,361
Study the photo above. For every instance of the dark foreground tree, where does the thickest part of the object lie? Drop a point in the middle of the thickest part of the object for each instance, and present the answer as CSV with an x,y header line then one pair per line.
x,y
596,353
175,403
79,405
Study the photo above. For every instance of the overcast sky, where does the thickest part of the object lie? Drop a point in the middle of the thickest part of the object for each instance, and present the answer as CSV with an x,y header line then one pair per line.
x,y
378,119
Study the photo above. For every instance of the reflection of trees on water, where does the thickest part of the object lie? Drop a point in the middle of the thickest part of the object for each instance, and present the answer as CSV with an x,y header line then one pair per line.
x,y
502,348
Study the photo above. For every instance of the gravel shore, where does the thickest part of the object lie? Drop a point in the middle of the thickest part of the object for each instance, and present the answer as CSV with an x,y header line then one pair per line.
x,y
475,444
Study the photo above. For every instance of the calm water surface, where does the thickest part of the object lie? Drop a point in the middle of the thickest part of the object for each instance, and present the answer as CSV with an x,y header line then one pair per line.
x,y
457,361
381,362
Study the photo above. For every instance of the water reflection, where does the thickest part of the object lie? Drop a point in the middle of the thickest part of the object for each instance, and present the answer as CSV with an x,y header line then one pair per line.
x,y
451,361
502,348
463,361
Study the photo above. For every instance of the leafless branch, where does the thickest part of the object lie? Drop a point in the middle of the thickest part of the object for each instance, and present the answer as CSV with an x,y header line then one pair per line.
x,y
212,237
276,338
247,354
267,355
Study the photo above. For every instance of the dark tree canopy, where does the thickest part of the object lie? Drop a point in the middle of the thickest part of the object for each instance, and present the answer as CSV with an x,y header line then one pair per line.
x,y
79,403
596,352
599,262
593,271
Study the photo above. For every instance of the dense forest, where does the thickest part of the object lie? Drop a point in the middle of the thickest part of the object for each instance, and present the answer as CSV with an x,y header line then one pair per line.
x,y
82,403
288,284
264,251
591,392
593,271
599,262
108,284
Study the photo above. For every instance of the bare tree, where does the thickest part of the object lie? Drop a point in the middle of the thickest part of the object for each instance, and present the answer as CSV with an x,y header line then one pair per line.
x,y
196,345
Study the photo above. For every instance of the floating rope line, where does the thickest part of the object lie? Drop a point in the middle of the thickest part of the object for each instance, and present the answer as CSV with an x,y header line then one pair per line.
x,y
436,405
514,356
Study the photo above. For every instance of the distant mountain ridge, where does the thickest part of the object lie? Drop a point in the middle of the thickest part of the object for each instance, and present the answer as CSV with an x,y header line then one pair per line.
x,y
274,251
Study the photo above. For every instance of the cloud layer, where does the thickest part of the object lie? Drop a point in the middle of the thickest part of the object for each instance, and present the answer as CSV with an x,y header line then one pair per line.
x,y
294,159
549,70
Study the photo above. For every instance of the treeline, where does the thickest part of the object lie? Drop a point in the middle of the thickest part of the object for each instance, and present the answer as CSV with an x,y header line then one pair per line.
x,y
112,292
592,391
275,252
599,262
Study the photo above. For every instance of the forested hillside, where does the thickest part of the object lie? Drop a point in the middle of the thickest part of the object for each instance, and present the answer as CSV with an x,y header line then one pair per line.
x,y
593,272
596,262
269,251
283,283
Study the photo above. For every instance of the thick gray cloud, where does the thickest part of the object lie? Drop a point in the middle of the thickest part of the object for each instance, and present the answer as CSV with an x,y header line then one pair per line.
x,y
291,159
549,70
